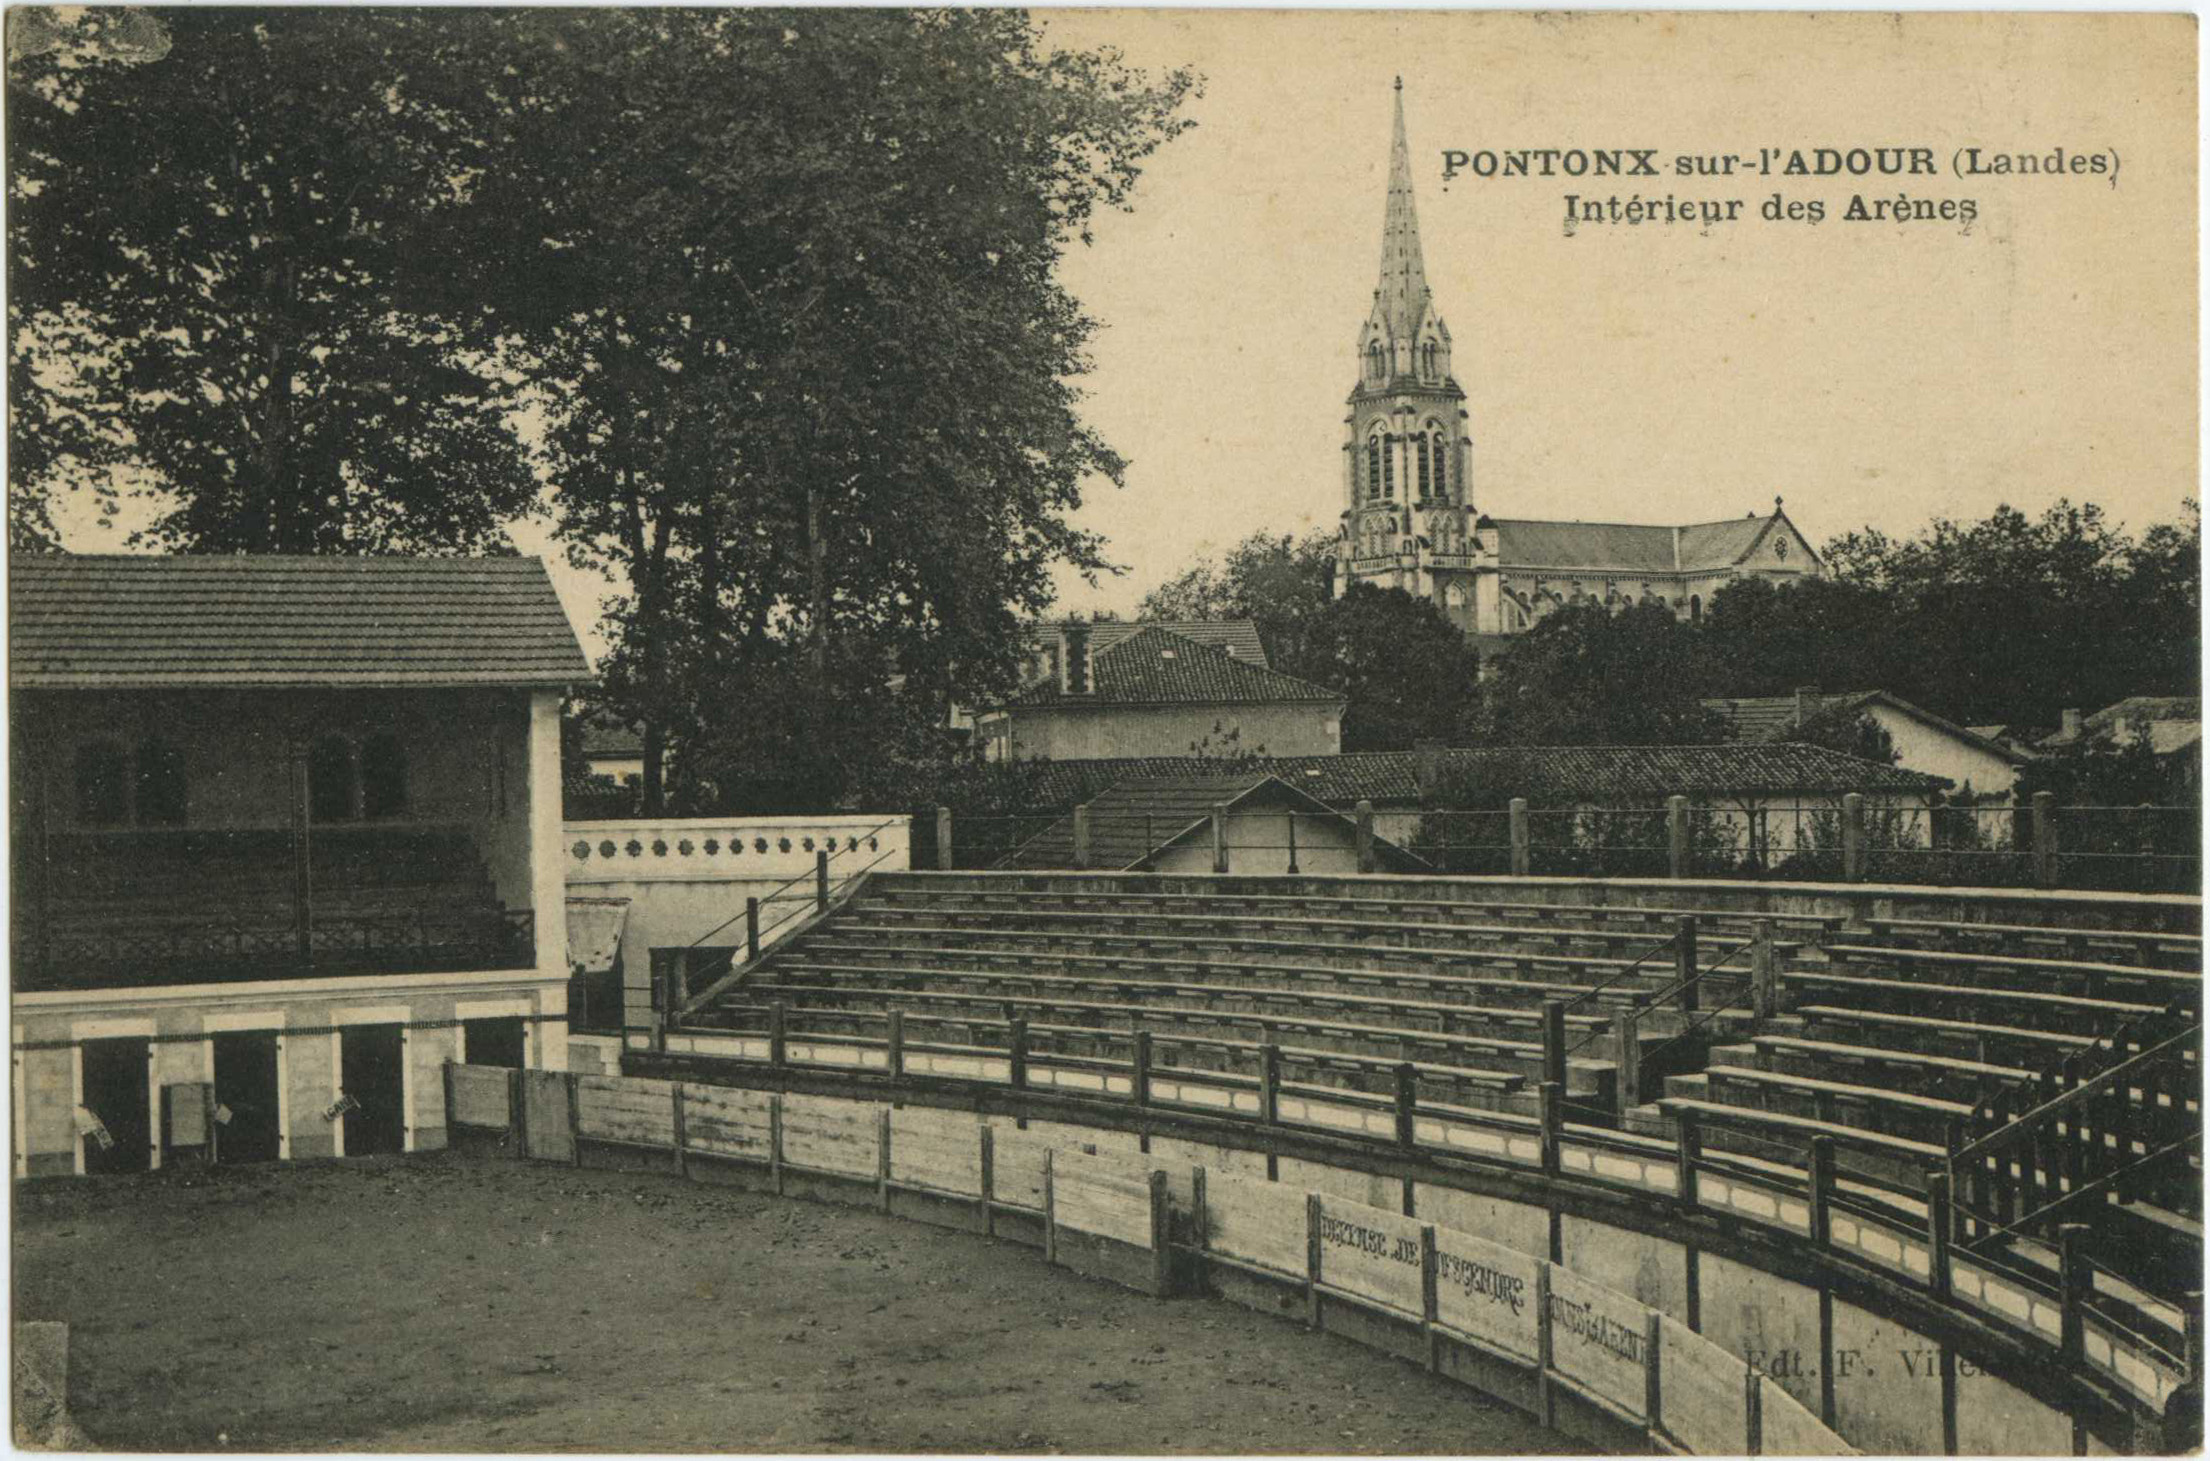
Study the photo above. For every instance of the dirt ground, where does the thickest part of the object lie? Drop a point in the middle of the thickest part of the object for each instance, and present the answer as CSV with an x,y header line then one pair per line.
x,y
472,1303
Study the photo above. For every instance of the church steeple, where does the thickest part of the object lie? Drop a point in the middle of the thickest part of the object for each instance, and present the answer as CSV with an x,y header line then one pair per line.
x,y
1402,295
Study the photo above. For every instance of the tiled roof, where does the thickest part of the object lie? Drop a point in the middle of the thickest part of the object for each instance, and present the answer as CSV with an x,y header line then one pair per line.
x,y
610,735
1770,717
1595,773
125,620
1627,548
2175,722
1157,667
1137,815
1238,637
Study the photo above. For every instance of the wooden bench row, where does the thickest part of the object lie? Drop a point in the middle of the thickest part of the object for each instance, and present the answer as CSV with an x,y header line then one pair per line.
x,y
2180,950
2072,976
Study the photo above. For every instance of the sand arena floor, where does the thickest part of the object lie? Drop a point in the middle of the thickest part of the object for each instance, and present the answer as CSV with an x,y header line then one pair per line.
x,y
475,1303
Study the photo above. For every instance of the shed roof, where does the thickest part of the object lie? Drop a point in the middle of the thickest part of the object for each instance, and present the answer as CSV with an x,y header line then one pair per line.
x,y
1591,773
1770,717
127,621
1137,816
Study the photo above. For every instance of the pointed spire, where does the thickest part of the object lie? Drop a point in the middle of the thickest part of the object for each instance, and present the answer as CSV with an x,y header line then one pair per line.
x,y
1403,291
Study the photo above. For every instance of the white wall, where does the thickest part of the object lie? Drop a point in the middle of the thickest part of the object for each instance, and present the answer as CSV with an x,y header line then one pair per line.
x,y
1938,753
678,897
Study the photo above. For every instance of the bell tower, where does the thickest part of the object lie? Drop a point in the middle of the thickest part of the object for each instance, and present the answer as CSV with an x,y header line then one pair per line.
x,y
1407,500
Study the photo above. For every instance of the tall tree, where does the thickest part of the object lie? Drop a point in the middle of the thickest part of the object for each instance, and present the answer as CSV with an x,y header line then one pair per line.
x,y
1407,672
1278,580
246,258
1585,676
819,421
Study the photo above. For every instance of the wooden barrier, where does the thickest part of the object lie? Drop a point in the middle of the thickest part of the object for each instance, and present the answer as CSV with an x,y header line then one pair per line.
x,y
479,1096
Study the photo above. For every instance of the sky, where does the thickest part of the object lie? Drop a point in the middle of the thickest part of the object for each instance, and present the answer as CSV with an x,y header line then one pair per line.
x,y
1869,373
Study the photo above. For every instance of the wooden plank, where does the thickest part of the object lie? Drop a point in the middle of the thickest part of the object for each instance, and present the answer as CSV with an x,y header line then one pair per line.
x,y
1701,1394
1487,1291
1099,1203
634,1127
1018,1171
1371,1252
1257,1222
479,1096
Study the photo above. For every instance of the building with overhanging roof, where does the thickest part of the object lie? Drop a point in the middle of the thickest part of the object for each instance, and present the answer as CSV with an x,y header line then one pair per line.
x,y
1147,690
1410,518
288,835
1924,741
1165,824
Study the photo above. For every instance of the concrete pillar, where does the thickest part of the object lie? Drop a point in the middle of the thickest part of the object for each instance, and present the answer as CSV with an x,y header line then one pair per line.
x,y
1676,836
1082,835
1626,1030
1219,837
1520,861
944,838
1764,971
548,871
1853,838
1365,812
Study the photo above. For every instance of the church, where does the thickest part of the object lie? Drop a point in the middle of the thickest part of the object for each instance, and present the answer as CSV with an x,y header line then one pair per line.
x,y
1409,519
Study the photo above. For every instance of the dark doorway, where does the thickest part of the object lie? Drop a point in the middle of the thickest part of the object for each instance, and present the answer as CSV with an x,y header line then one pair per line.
x,y
245,1082
374,1076
330,780
118,1078
495,1042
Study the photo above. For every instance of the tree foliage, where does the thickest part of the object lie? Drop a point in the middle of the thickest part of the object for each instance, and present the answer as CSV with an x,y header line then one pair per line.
x,y
247,278
1585,676
1280,581
1406,671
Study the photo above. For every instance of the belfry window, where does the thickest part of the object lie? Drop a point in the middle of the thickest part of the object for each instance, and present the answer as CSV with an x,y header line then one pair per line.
x,y
1373,360
1427,360
1419,454
1388,470
1373,467
1439,448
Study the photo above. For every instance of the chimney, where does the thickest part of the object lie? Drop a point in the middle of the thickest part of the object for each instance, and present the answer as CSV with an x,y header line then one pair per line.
x,y
1074,659
2075,724
1807,703
1427,762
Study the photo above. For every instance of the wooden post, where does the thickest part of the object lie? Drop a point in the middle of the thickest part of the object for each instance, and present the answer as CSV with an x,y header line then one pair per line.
x,y
988,1143
517,1114
1764,971
1219,837
2073,1284
1290,818
1312,1259
1430,1307
1684,963
1853,837
752,930
894,1046
445,1080
575,1123
44,790
1520,859
882,1158
2045,839
1200,1224
303,877
1051,1210
682,1129
1546,1410
944,839
1139,1078
1688,1151
1016,1041
1269,1083
1653,1398
775,1140
1553,1041
1365,811
1940,1224
821,880
1753,1412
1082,836
2190,1304
1408,1104
1162,1238
1819,1175
1550,1097
1627,1033
778,1044
1676,836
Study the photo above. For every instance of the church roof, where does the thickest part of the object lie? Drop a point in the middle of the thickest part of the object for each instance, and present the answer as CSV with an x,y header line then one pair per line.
x,y
1402,294
1158,667
1630,547
127,621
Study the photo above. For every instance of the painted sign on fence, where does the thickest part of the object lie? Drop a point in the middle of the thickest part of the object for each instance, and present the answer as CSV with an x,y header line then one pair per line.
x,y
1373,1253
1488,1292
1596,1340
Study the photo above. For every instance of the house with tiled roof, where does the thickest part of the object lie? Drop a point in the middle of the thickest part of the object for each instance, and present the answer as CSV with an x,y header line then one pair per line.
x,y
1165,824
289,838
1158,692
1970,761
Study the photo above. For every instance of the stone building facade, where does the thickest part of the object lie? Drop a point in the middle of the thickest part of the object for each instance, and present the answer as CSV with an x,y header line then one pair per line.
x,y
1409,520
